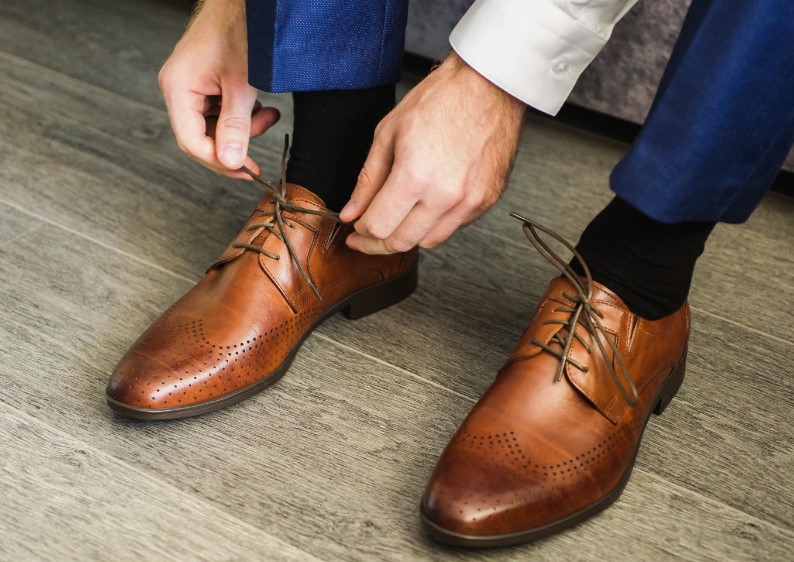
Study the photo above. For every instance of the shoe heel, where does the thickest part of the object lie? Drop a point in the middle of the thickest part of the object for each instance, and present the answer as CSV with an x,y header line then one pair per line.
x,y
382,295
671,386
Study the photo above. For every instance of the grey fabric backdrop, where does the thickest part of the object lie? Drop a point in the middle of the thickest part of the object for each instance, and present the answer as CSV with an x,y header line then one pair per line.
x,y
620,82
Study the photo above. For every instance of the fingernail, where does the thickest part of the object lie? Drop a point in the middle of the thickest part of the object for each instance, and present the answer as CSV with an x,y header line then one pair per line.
x,y
348,209
232,155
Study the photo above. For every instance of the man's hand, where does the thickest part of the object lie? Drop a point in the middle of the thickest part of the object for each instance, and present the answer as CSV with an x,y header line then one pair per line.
x,y
438,161
207,75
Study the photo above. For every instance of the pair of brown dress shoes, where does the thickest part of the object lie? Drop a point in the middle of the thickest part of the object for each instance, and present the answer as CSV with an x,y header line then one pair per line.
x,y
552,442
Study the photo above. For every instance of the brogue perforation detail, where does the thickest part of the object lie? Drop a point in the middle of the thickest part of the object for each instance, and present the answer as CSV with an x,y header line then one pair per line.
x,y
504,449
226,367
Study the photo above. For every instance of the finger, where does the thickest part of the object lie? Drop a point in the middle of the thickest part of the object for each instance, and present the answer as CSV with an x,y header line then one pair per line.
x,y
420,222
218,169
447,226
366,245
473,204
262,119
216,166
416,226
372,176
253,166
185,110
234,124
391,205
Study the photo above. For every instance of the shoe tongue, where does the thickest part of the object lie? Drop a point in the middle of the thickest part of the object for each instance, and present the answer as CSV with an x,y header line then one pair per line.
x,y
604,294
296,194
299,195
600,292
556,292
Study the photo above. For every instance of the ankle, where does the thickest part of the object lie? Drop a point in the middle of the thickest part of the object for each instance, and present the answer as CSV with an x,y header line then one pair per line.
x,y
332,135
648,264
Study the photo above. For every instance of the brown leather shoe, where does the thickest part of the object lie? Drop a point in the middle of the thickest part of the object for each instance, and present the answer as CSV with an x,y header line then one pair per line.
x,y
554,439
237,331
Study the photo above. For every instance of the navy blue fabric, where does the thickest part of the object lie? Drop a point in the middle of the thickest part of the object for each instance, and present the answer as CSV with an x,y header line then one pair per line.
x,y
717,134
723,118
310,45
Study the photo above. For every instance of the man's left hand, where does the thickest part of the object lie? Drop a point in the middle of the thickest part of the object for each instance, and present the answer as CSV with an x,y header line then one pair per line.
x,y
438,161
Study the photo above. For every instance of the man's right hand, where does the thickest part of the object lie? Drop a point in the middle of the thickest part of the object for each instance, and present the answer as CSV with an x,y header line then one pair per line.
x,y
207,74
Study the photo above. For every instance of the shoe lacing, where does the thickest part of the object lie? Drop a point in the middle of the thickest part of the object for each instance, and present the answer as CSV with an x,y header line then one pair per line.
x,y
276,222
583,313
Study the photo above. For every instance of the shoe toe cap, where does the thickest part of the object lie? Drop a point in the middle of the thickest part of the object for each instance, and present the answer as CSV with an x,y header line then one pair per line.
x,y
478,496
140,382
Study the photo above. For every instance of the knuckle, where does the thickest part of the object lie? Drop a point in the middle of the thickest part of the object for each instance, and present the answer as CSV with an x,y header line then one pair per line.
x,y
382,128
415,181
474,200
452,196
235,123
456,197
364,178
489,200
377,231
430,243
413,188
370,230
399,245
165,80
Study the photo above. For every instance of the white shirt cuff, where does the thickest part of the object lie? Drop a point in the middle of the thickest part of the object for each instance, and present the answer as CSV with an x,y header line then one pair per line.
x,y
534,50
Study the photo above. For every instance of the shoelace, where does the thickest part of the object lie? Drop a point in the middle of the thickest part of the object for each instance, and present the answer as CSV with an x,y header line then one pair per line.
x,y
275,223
583,313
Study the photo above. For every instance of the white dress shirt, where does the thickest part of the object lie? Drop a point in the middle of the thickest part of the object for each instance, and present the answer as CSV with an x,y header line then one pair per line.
x,y
536,49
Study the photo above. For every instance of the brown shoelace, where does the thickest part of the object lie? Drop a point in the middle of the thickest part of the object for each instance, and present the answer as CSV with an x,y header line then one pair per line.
x,y
277,228
583,313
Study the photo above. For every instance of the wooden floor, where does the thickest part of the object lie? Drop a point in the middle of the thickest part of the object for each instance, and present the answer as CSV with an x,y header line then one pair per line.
x,y
103,223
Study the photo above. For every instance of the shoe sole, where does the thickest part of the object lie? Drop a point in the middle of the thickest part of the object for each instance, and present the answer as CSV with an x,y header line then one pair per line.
x,y
358,305
438,533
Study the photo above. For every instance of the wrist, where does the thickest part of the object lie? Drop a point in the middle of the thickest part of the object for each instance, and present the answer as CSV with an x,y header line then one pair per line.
x,y
480,85
218,10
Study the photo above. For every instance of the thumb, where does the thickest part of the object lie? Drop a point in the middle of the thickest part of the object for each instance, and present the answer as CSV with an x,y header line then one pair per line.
x,y
234,125
372,176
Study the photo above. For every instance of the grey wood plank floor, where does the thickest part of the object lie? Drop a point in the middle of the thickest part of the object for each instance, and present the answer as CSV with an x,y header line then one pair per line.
x,y
50,480
103,224
331,460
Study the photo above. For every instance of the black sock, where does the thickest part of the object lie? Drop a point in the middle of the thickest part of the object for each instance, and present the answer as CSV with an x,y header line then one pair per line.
x,y
332,135
648,264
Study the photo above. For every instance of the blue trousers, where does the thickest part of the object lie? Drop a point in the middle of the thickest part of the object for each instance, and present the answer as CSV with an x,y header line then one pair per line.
x,y
719,129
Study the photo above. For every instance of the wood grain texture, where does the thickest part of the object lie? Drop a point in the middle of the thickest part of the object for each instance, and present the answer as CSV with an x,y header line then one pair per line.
x,y
118,46
64,500
14,224
333,459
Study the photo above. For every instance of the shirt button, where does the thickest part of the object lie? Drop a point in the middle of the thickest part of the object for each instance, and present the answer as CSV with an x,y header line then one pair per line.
x,y
561,66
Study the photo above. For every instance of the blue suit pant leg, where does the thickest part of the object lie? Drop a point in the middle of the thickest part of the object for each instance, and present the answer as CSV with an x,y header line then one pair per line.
x,y
722,121
311,45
